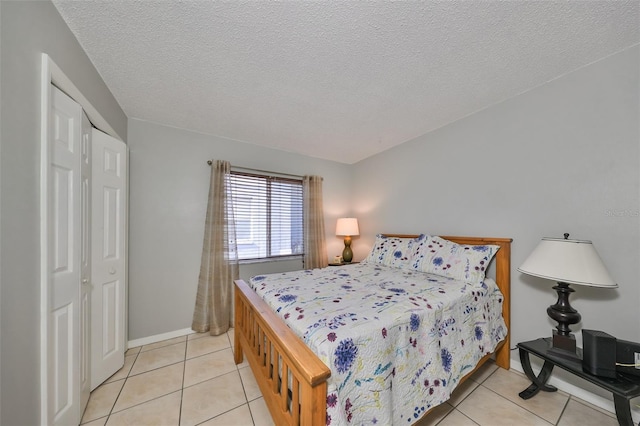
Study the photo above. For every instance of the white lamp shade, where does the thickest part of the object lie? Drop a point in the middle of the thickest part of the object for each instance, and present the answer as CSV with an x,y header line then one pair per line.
x,y
347,226
568,261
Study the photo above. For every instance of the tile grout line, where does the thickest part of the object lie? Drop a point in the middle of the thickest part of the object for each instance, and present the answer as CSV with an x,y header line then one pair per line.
x,y
517,405
442,419
470,419
492,373
587,404
174,363
184,372
223,413
244,390
241,382
469,394
125,379
246,397
143,402
455,407
122,388
129,375
566,404
528,410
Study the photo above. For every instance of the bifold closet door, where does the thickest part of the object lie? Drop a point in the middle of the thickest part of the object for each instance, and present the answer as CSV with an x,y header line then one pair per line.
x,y
62,177
108,256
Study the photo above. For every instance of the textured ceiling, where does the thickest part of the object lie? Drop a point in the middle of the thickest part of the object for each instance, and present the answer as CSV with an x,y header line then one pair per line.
x,y
340,80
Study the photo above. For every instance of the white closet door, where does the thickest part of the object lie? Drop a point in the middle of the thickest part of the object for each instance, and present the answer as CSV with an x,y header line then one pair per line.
x,y
108,256
85,266
63,261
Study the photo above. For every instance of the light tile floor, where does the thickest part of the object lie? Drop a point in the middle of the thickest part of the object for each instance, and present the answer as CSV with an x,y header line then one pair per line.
x,y
192,380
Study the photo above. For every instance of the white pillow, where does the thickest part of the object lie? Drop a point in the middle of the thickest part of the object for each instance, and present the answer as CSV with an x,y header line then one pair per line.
x,y
461,262
393,251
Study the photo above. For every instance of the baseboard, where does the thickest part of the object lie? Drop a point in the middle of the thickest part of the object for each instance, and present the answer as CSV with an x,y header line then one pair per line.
x,y
585,395
158,337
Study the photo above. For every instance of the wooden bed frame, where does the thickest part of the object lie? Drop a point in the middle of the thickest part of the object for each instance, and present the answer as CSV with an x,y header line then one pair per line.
x,y
274,351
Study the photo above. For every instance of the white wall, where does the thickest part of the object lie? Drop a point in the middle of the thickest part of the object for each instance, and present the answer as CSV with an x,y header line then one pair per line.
x,y
169,184
563,157
27,30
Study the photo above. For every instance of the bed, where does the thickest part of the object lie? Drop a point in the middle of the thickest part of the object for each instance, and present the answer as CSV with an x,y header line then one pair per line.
x,y
287,327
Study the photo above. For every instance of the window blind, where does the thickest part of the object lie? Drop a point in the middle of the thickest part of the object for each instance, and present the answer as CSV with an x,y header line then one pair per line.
x,y
268,215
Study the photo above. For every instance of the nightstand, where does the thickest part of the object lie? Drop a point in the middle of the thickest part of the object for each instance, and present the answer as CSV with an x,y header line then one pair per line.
x,y
343,263
623,387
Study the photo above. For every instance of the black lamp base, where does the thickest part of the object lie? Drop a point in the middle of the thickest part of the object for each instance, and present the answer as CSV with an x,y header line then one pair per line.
x,y
564,342
564,346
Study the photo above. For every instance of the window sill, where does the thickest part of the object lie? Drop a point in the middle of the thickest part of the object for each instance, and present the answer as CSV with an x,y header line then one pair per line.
x,y
271,259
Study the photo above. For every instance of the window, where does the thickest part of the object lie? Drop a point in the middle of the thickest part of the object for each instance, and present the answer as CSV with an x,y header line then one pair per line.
x,y
268,214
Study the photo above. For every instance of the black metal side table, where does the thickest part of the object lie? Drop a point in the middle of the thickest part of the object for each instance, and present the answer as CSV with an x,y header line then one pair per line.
x,y
623,387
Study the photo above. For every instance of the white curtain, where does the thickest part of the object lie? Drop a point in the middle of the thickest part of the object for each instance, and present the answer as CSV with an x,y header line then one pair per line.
x,y
315,248
219,264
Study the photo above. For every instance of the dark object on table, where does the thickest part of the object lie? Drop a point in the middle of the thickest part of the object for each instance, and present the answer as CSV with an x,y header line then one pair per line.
x,y
599,353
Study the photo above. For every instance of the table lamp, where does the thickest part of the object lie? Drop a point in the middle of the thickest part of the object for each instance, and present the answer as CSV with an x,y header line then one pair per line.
x,y
347,227
566,262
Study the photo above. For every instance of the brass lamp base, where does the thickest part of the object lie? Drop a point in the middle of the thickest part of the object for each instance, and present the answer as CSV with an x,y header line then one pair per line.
x,y
347,253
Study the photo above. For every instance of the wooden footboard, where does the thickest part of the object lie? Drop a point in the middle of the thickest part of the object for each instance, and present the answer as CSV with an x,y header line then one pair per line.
x,y
291,377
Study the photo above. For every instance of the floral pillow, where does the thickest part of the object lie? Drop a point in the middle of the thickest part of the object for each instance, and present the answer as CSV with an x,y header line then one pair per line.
x,y
393,251
466,263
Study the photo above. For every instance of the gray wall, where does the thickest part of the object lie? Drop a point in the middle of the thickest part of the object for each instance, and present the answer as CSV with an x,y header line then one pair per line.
x,y
169,184
563,157
28,29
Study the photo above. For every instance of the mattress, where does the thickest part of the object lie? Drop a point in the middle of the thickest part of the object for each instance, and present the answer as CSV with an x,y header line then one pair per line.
x,y
397,341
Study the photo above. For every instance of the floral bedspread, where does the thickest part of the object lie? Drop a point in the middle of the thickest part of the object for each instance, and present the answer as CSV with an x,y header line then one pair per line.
x,y
397,341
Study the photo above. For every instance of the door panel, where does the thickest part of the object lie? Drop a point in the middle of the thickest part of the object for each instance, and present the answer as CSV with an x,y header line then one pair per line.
x,y
63,360
110,298
108,256
63,209
111,218
64,212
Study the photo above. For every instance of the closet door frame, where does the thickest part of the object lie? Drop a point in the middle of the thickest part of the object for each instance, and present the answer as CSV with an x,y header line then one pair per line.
x,y
52,74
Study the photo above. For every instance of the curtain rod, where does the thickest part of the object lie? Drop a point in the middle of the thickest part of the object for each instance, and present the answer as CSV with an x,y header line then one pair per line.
x,y
267,172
